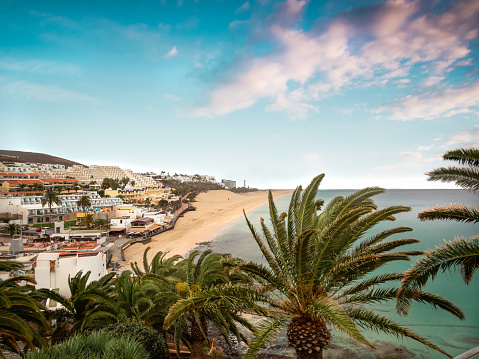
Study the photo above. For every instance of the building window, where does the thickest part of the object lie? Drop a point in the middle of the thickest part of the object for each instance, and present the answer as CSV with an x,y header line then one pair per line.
x,y
39,220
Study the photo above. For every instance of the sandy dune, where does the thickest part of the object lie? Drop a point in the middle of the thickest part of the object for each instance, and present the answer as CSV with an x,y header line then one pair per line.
x,y
215,210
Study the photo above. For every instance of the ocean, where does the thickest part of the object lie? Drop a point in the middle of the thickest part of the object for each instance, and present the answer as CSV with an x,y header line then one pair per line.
x,y
441,328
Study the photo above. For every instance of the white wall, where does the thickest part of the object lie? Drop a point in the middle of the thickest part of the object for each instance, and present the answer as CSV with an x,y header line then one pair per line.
x,y
67,266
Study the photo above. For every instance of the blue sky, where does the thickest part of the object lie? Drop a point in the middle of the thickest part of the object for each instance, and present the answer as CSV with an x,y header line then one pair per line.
x,y
372,93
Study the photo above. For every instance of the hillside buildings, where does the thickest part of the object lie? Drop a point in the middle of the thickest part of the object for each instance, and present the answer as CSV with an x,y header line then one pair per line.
x,y
30,208
228,184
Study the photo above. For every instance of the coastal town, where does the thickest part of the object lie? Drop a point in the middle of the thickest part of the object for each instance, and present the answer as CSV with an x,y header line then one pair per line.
x,y
89,217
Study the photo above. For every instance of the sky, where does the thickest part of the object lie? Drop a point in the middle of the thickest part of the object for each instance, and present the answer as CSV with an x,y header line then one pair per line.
x,y
369,92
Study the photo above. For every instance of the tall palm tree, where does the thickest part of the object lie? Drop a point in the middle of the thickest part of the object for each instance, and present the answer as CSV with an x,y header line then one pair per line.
x,y
203,277
322,270
50,197
461,252
89,306
11,228
21,315
84,202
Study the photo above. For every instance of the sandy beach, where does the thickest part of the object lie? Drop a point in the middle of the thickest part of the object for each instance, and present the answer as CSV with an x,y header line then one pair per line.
x,y
215,211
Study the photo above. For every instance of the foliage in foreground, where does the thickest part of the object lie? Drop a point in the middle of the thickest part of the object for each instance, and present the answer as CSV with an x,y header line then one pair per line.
x,y
153,341
21,316
96,345
460,253
323,271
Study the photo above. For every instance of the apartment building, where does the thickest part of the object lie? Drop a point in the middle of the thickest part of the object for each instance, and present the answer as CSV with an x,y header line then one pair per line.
x,y
18,187
30,210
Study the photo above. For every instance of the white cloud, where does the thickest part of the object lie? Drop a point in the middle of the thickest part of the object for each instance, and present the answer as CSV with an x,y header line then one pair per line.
x,y
311,158
243,8
432,81
446,103
49,93
172,52
425,148
170,96
39,67
324,64
464,138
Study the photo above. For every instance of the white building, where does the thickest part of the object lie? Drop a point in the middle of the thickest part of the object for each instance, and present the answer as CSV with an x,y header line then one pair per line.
x,y
53,269
120,224
30,208
158,217
129,211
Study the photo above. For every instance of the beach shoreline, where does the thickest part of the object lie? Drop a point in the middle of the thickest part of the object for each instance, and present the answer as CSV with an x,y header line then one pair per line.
x,y
216,211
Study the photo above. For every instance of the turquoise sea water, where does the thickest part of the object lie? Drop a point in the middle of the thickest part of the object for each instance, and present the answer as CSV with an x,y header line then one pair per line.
x,y
441,328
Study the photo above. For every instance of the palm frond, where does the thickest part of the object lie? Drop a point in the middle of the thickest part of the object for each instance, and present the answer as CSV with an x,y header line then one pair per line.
x,y
266,330
307,209
281,248
460,252
467,178
377,323
367,283
454,212
465,156
378,237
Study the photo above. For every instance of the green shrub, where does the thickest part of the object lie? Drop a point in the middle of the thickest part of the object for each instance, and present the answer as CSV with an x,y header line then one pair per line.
x,y
152,340
96,345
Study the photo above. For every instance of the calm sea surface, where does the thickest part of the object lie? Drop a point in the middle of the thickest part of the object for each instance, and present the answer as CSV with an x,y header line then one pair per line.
x,y
441,328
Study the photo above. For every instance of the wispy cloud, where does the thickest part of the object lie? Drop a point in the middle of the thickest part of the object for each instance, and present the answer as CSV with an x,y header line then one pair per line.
x,y
446,103
400,36
243,8
172,52
48,93
39,67
464,138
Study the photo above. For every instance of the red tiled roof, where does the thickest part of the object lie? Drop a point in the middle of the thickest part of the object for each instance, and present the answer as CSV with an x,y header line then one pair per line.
x,y
26,181
70,180
18,174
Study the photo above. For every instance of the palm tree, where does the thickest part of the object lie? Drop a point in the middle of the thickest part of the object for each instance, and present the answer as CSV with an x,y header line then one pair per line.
x,y
199,287
50,197
89,306
21,315
22,186
37,186
11,228
84,202
461,252
322,270
147,202
88,220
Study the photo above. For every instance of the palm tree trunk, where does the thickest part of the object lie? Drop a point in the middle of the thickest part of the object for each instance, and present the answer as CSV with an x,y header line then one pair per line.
x,y
306,355
197,339
197,350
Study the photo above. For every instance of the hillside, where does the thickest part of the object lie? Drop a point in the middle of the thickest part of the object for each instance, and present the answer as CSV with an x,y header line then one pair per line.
x,y
33,157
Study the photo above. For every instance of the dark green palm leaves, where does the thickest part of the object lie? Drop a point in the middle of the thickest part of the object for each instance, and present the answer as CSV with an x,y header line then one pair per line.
x,y
323,265
462,252
21,315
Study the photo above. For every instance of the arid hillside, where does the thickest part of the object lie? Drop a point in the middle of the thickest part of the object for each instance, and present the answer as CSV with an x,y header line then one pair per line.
x,y
20,156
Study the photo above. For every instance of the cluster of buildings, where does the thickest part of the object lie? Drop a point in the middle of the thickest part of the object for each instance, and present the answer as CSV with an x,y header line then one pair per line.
x,y
62,251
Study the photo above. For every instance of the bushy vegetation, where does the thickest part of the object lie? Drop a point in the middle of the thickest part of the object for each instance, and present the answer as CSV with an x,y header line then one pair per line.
x,y
243,189
153,341
182,188
96,345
